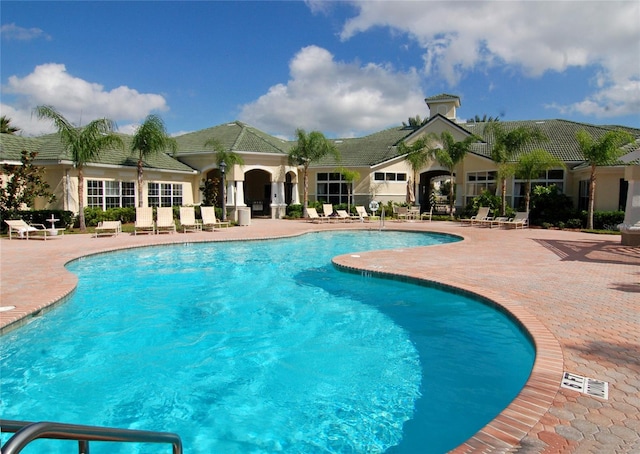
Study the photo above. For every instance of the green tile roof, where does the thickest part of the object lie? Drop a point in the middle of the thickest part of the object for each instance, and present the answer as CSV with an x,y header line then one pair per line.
x,y
235,136
11,146
441,97
369,150
50,148
562,141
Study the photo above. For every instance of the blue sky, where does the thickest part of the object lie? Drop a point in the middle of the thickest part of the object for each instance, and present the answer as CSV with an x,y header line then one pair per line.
x,y
343,68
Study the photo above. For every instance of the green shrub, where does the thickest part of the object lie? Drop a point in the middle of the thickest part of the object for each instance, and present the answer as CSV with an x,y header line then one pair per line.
x,y
388,209
574,223
485,199
549,205
317,205
93,216
604,220
294,211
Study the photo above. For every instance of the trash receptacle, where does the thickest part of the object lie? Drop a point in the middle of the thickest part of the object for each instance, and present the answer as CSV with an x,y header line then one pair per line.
x,y
244,216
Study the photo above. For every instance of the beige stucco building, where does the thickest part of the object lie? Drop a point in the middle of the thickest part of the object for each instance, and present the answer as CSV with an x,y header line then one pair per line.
x,y
266,183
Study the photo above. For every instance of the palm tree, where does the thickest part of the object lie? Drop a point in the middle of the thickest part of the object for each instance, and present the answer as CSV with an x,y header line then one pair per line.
x,y
150,138
451,153
599,152
5,126
350,176
531,165
414,122
506,144
418,154
84,144
230,158
309,148
484,119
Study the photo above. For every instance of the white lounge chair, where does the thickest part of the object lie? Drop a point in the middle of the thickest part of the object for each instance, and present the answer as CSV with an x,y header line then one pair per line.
x,y
520,220
413,213
144,221
188,220
344,216
428,215
483,215
314,216
24,230
402,213
165,222
496,222
209,220
108,228
327,209
362,213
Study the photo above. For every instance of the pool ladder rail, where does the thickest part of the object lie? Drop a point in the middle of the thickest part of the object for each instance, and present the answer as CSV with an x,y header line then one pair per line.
x,y
25,432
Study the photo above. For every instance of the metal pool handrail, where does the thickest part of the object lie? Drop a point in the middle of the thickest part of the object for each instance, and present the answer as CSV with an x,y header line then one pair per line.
x,y
26,432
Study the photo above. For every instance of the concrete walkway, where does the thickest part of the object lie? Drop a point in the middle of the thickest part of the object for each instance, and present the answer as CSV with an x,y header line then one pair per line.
x,y
578,295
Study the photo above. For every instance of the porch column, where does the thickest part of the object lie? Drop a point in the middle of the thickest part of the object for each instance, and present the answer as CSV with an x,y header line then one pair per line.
x,y
295,196
240,194
67,191
231,191
235,198
278,207
630,228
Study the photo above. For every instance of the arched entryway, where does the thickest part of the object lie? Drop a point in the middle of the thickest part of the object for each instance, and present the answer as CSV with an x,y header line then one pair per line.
x,y
289,187
426,186
257,192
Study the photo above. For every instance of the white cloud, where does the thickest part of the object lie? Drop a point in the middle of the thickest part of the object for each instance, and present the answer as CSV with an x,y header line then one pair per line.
x,y
336,98
616,100
13,32
319,6
78,100
532,37
22,118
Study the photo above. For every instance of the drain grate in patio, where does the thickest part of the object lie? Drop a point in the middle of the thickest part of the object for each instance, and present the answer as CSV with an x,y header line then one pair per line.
x,y
589,386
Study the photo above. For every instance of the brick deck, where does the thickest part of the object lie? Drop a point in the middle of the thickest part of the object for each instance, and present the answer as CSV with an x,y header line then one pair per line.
x,y
578,295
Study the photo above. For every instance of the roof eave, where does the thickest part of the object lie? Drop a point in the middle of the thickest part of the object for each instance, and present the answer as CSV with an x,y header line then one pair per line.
x,y
155,169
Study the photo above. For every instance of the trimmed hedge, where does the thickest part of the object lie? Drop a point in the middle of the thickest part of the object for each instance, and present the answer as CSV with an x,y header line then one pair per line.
x,y
604,220
294,211
93,216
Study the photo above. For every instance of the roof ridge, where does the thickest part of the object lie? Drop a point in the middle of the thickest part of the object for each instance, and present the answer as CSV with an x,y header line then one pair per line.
x,y
238,137
259,134
441,96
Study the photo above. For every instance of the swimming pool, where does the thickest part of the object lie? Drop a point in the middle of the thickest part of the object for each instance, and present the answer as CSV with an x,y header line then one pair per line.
x,y
263,347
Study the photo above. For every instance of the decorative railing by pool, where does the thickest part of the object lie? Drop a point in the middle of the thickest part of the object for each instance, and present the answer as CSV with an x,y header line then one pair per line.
x,y
25,432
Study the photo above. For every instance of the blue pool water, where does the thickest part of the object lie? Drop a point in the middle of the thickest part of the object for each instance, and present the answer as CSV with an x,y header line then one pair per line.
x,y
261,347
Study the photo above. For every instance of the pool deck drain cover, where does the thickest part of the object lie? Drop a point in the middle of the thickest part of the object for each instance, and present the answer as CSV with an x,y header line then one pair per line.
x,y
589,386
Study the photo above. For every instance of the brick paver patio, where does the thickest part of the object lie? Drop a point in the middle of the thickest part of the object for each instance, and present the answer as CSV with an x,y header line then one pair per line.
x,y
578,295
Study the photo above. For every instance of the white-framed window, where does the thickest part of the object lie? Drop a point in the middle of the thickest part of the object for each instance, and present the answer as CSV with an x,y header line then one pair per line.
x,y
111,194
478,182
583,195
332,188
547,178
390,176
164,194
